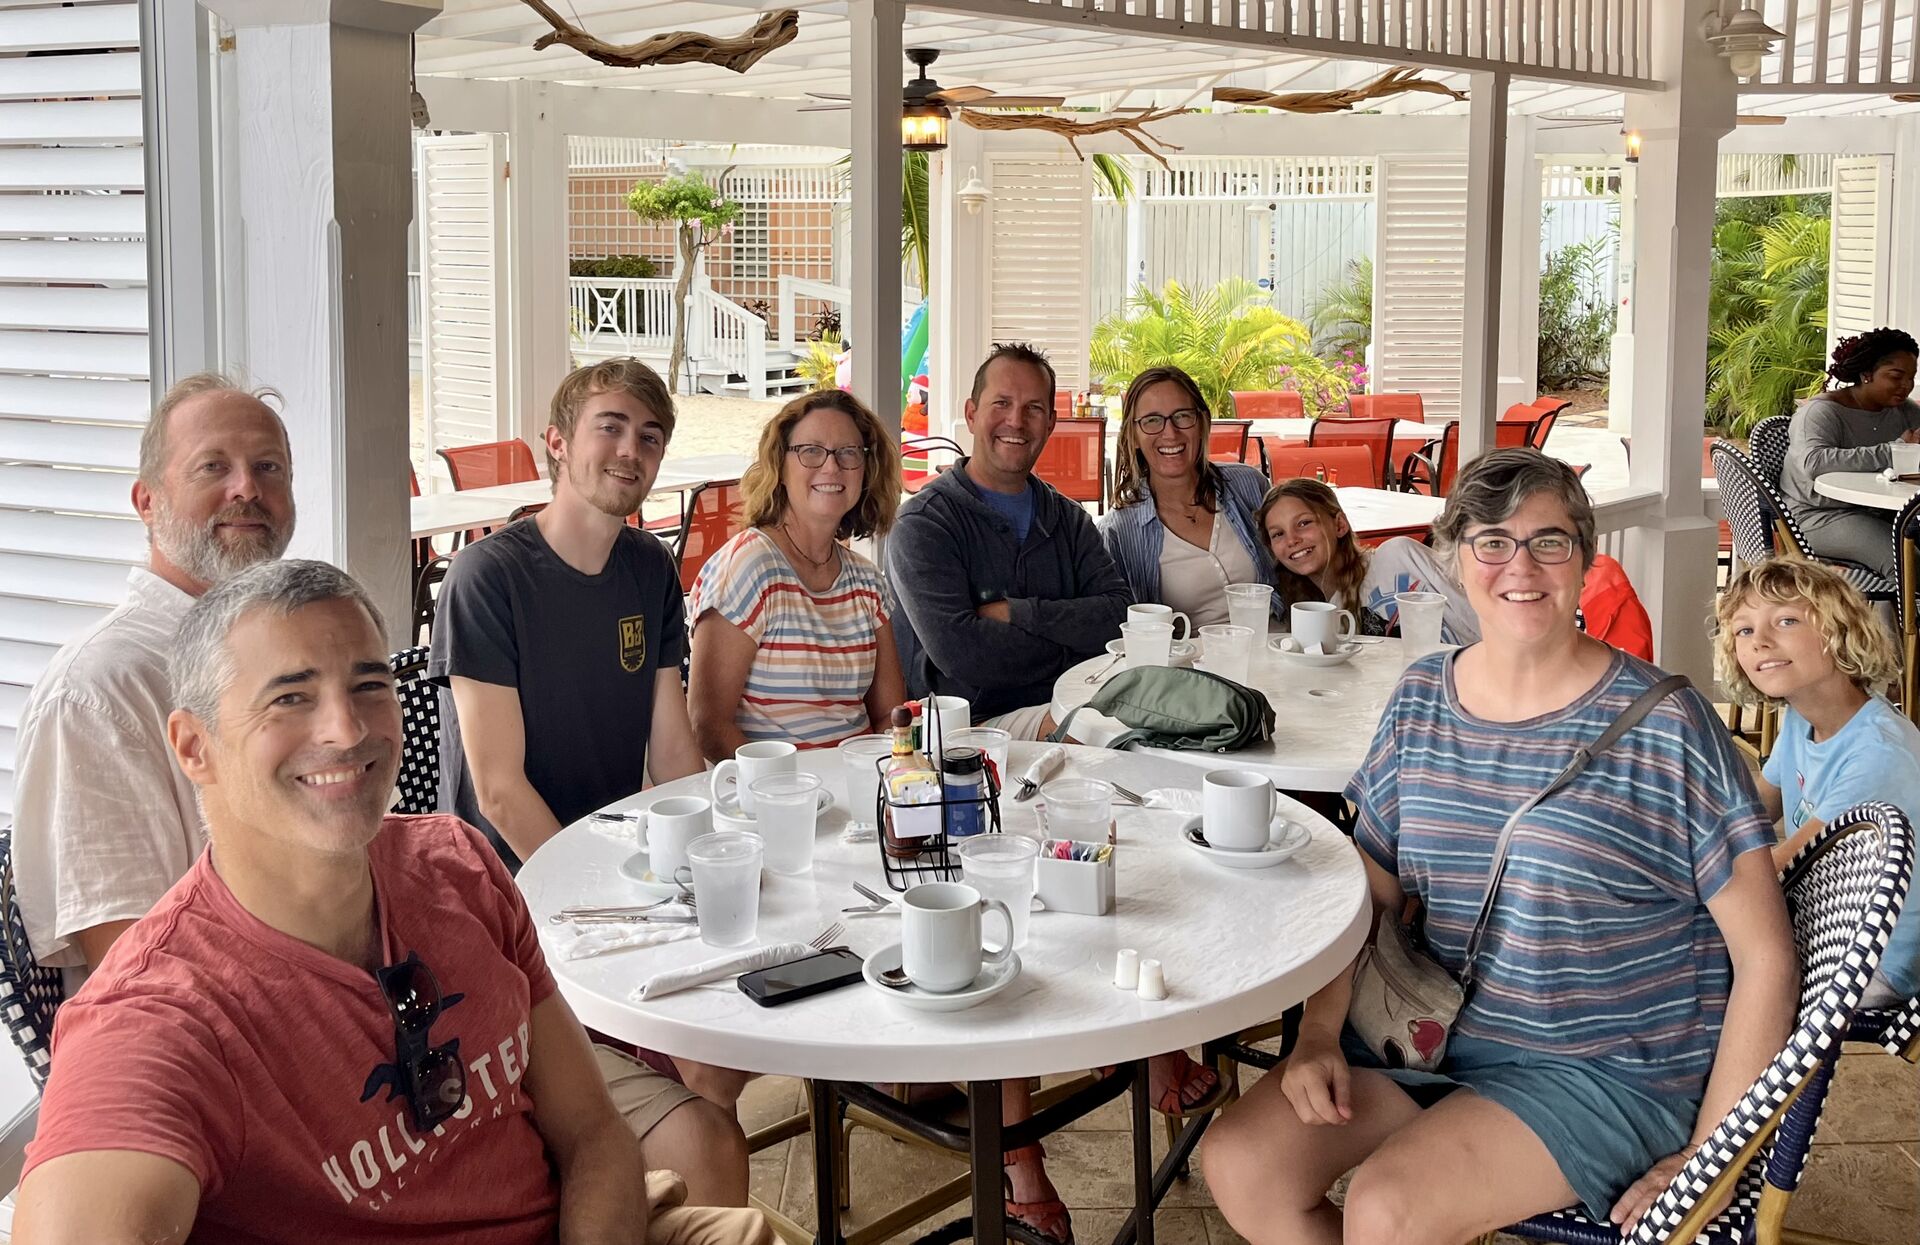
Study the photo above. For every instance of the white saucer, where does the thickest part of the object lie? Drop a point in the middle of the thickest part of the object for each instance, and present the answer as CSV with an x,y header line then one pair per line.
x,y
639,870
1291,836
1181,654
992,980
1338,657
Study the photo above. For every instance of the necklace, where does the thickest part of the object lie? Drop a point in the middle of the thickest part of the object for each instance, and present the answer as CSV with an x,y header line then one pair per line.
x,y
833,549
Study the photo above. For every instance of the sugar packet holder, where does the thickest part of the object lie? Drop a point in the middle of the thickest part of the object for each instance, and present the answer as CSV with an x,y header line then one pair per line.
x,y
1081,881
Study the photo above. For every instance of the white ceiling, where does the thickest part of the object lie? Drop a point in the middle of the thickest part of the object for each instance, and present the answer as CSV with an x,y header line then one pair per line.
x,y
493,38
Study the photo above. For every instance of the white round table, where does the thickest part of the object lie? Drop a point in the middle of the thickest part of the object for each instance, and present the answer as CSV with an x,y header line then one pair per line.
x,y
1239,947
1865,488
1324,717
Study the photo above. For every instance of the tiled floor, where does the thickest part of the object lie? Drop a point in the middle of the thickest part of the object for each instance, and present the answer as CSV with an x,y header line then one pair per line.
x,y
1862,1184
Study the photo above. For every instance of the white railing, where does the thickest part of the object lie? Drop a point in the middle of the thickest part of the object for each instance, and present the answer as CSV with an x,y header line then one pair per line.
x,y
1839,43
793,288
621,314
727,334
1573,40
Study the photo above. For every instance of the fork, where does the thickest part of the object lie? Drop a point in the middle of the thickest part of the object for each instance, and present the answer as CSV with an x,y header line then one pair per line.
x,y
1131,797
1101,673
826,938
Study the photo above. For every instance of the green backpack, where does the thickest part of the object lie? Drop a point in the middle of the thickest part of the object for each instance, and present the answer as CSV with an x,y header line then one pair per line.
x,y
1179,708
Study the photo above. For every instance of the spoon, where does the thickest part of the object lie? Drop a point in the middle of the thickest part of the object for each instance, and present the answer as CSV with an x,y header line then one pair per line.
x,y
894,978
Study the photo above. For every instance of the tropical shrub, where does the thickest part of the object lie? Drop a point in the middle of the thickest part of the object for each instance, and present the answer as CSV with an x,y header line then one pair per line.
x,y
700,215
1342,314
1576,315
1767,317
1226,338
820,363
614,266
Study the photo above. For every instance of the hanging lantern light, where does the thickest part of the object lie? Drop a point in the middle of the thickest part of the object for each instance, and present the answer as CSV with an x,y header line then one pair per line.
x,y
973,194
923,127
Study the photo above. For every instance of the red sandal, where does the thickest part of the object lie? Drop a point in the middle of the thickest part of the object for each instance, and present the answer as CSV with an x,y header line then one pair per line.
x,y
1048,1219
1195,1086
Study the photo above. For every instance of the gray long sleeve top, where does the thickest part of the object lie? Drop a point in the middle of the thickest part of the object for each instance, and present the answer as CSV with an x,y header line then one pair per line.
x,y
1826,435
949,554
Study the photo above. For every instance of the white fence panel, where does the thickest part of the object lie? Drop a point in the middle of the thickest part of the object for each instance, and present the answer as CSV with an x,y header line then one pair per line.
x,y
1042,244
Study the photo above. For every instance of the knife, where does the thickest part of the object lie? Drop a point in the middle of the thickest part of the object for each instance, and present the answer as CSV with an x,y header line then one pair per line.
x,y
1045,766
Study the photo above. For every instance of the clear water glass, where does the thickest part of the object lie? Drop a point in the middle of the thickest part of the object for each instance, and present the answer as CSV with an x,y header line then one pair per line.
x,y
1228,651
786,813
1077,808
1250,606
1001,866
726,878
862,755
994,742
1421,616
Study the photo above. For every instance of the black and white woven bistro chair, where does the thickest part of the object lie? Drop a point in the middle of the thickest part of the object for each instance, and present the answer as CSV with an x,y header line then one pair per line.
x,y
419,781
1767,445
1844,892
29,993
1906,610
1752,501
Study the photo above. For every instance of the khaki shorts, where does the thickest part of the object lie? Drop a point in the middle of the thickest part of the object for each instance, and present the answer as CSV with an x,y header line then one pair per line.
x,y
671,1222
643,1096
1027,723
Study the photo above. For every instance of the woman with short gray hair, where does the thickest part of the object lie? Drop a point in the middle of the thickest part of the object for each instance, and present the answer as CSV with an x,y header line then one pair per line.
x,y
1636,972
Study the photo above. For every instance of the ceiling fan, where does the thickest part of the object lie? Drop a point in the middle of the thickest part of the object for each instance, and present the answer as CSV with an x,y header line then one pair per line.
x,y
924,90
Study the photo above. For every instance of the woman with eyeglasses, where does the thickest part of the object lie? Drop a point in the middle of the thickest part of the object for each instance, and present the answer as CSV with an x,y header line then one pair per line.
x,y
790,632
1636,973
1181,528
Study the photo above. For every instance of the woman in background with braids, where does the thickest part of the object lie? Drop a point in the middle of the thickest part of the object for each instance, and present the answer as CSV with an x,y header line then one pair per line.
x,y
1849,429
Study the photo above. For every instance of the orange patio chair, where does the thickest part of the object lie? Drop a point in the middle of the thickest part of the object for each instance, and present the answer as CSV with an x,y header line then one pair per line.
x,y
1075,460
917,466
1228,441
1387,406
1376,435
1343,464
1269,404
714,517
495,462
1063,403
1431,470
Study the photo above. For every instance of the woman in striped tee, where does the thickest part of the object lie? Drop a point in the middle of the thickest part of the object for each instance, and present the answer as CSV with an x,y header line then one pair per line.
x,y
1638,968
790,632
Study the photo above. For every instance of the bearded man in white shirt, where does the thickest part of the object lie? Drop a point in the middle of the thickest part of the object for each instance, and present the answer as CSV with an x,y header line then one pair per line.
x,y
104,821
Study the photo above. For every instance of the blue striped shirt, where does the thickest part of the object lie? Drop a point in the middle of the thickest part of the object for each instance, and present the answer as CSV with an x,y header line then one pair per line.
x,y
1134,533
1600,945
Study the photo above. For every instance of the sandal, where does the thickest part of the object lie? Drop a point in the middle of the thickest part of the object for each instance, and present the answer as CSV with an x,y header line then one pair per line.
x,y
1196,1087
1049,1219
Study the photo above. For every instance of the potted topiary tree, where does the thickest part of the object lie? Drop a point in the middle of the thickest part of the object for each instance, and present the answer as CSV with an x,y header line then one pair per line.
x,y
700,215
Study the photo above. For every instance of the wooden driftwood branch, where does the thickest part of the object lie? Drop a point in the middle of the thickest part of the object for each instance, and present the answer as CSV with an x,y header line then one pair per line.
x,y
675,47
1128,128
1393,82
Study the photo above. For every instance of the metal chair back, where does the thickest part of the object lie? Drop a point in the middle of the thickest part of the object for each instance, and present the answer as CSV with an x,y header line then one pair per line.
x,y
30,993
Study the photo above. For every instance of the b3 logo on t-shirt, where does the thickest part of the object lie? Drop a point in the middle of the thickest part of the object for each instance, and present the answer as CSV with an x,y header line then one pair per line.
x,y
633,643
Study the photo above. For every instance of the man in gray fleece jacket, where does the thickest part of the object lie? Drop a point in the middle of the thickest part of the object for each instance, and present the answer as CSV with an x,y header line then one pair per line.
x,y
1002,582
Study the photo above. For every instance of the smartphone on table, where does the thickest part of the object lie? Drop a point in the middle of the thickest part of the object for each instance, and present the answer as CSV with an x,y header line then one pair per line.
x,y
796,979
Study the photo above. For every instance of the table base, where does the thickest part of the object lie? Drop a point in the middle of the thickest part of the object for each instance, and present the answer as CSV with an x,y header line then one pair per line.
x,y
984,1138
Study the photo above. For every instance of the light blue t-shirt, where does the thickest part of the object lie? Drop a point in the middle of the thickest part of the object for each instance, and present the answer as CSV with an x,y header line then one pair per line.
x,y
1875,756
1015,508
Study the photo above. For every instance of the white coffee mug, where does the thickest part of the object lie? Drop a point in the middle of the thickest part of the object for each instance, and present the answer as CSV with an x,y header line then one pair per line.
x,y
1237,809
670,825
941,718
941,948
748,764
1317,622
1162,614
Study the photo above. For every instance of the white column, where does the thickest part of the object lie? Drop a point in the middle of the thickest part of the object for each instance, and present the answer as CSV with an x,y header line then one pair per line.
x,y
1671,561
537,305
1903,289
176,98
322,152
874,27
1486,208
1620,380
958,300
1519,379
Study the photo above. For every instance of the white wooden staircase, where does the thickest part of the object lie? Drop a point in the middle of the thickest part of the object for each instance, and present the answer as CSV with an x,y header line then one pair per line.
x,y
727,347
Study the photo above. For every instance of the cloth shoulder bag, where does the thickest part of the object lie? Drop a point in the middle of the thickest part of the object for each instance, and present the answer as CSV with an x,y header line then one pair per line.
x,y
1179,708
1404,1001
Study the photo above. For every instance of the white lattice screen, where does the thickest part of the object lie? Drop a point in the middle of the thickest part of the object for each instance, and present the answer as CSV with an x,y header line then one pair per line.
x,y
1859,255
462,218
1042,251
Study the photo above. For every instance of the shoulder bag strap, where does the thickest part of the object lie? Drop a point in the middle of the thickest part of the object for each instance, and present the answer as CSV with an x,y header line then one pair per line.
x,y
1497,866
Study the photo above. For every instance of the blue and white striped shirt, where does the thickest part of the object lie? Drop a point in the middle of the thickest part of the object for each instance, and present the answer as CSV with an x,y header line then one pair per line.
x,y
1134,534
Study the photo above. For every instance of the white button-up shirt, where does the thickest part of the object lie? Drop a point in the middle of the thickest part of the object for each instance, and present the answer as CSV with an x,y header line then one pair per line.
x,y
104,821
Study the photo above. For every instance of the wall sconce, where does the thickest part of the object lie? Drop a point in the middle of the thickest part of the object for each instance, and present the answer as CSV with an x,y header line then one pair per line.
x,y
1633,146
923,127
1742,39
973,194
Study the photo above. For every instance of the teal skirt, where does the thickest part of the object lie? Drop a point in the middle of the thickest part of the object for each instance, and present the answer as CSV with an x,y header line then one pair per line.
x,y
1603,1133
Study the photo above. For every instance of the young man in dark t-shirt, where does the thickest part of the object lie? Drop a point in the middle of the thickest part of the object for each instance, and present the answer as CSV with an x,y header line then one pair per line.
x,y
557,645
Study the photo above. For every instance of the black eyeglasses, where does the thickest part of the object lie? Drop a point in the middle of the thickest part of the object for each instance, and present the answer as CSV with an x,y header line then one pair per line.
x,y
433,1078
1151,424
1546,548
850,457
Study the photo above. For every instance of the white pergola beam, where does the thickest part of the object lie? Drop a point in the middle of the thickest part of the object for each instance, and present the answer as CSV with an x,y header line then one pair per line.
x,y
482,104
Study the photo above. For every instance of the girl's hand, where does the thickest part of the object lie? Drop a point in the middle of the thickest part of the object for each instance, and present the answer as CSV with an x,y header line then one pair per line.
x,y
1910,435
1317,1082
1644,1192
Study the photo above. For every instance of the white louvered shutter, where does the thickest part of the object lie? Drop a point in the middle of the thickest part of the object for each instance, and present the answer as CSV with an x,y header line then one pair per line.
x,y
1043,258
1859,257
73,333
462,216
1420,279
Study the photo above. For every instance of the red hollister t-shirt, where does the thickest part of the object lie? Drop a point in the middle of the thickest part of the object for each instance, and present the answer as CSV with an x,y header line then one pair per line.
x,y
211,1039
